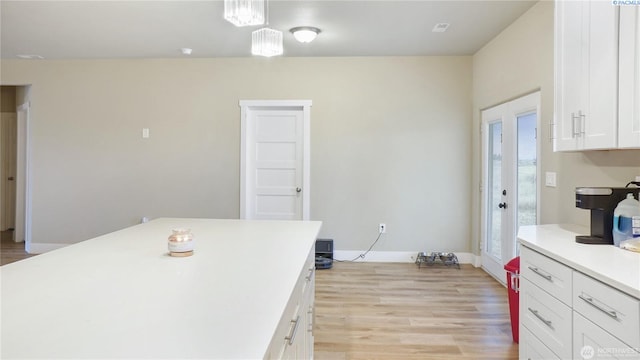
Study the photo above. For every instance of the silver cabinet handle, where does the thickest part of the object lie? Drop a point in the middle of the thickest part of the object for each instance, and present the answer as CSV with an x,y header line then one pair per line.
x,y
545,321
294,329
538,272
311,314
583,121
573,125
589,301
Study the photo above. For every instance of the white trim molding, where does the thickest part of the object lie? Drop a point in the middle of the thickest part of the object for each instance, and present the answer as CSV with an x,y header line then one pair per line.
x,y
397,256
41,248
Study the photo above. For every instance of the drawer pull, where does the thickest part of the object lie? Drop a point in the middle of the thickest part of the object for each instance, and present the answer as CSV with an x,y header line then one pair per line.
x,y
545,321
294,329
310,274
538,272
589,301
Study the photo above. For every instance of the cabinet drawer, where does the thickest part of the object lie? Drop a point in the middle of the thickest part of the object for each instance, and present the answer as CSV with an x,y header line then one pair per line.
x,y
533,349
592,342
546,318
614,311
549,275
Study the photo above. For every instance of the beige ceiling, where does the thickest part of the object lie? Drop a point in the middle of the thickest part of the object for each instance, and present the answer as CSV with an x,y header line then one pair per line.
x,y
158,29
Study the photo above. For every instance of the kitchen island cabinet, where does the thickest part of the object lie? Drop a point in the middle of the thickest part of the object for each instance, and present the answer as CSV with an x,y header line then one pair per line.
x,y
122,296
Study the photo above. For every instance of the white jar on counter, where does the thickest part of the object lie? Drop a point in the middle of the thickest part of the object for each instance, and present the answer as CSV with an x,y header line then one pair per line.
x,y
181,242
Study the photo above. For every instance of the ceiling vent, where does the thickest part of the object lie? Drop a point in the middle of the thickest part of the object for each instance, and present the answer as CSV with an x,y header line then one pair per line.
x,y
440,27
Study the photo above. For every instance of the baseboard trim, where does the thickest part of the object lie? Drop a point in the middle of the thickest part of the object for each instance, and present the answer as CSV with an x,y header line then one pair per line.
x,y
41,248
397,256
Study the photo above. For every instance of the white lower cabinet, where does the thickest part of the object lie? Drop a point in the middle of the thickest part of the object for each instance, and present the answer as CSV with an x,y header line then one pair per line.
x,y
598,322
546,317
293,339
533,349
590,341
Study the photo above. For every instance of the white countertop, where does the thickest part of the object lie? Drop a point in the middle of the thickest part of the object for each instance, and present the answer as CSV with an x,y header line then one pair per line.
x,y
122,296
607,263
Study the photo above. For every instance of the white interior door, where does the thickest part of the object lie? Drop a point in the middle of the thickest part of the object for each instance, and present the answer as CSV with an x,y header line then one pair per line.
x,y
275,160
8,125
510,163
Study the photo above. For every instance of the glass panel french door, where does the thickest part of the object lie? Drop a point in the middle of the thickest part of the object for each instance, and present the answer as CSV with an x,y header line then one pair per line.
x,y
510,182
494,172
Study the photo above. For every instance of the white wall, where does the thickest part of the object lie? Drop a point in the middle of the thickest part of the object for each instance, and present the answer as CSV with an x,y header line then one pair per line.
x,y
390,143
518,61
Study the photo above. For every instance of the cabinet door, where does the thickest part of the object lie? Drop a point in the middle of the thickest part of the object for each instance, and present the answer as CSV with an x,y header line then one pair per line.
x,y
546,318
600,123
629,94
570,83
531,348
586,73
591,342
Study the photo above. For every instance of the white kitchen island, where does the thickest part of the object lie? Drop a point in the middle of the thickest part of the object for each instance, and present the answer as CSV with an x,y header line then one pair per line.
x,y
122,296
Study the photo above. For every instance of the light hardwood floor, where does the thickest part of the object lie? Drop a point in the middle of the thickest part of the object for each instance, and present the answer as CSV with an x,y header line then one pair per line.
x,y
397,311
11,251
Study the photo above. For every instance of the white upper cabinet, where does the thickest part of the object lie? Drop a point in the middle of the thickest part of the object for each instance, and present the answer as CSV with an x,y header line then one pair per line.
x,y
586,75
629,94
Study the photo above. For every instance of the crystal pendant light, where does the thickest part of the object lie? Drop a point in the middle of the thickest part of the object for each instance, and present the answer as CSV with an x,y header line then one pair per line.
x,y
244,12
266,42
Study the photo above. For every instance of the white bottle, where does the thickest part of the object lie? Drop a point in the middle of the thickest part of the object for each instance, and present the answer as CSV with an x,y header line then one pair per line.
x,y
626,220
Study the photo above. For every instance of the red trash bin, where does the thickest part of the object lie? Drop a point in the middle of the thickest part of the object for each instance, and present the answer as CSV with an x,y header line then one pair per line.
x,y
513,289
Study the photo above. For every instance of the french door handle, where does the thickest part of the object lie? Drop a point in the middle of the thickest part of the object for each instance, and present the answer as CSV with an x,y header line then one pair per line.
x,y
298,189
502,205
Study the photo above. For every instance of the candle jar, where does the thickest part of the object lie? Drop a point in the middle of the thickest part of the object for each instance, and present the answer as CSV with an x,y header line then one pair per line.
x,y
181,242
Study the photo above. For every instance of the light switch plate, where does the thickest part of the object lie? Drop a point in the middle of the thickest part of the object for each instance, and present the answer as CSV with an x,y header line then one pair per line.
x,y
145,133
550,179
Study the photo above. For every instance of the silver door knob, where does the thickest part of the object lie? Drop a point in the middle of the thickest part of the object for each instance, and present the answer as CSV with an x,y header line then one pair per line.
x,y
298,189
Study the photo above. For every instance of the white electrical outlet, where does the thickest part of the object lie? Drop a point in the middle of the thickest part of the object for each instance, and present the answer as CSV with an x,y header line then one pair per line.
x,y
382,228
638,178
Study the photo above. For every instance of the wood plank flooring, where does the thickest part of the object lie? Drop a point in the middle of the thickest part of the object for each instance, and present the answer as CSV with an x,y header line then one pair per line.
x,y
397,311
11,251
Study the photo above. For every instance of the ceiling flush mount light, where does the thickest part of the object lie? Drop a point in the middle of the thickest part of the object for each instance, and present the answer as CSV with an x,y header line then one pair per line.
x,y
266,42
305,34
244,12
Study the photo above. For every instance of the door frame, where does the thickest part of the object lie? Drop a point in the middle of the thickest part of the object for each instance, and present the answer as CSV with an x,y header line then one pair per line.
x,y
509,112
246,107
23,175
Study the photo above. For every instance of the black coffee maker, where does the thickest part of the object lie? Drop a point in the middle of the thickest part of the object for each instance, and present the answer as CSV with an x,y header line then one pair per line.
x,y
602,201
